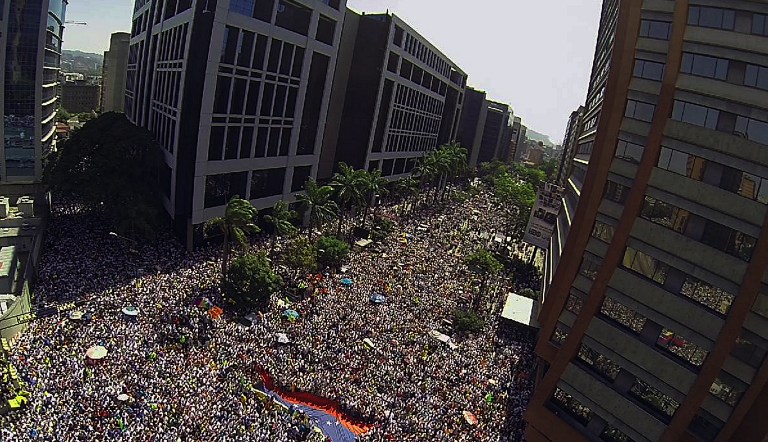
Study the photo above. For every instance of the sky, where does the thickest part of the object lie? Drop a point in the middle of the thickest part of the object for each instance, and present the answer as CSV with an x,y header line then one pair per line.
x,y
535,55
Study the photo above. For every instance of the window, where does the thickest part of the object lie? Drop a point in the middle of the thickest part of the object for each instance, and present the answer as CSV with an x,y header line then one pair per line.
x,y
398,38
717,18
574,303
616,192
752,129
293,17
622,315
660,30
560,334
589,267
695,114
326,29
231,36
650,70
756,76
655,399
640,110
705,426
612,434
664,214
681,348
708,295
574,408
244,7
682,163
603,232
221,188
629,151
760,24
645,265
728,240
267,182
300,176
726,392
598,363
705,66
392,62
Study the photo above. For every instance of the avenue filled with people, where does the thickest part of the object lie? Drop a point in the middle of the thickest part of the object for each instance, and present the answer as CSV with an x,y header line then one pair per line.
x,y
172,372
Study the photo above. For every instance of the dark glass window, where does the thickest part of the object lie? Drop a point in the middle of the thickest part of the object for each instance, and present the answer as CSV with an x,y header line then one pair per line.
x,y
681,348
612,434
705,426
695,114
756,76
260,52
219,189
318,73
221,99
623,315
300,176
603,232
231,36
326,30
747,351
616,192
728,391
398,38
599,363
560,334
392,62
293,17
589,266
662,405
707,17
233,143
216,143
752,129
665,214
650,70
267,182
760,24
570,405
245,49
245,143
574,303
274,56
238,97
263,10
640,110
253,98
705,66
286,59
660,30
244,7
629,151
645,265
728,240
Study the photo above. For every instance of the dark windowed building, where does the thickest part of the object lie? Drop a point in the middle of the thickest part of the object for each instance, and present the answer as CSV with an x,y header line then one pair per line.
x,y
30,53
113,73
399,97
570,140
80,96
655,324
236,92
485,128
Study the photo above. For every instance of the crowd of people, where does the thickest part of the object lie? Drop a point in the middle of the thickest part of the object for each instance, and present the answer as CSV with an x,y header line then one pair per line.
x,y
172,373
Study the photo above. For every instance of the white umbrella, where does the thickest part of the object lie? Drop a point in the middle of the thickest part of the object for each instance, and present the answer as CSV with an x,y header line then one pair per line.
x,y
122,397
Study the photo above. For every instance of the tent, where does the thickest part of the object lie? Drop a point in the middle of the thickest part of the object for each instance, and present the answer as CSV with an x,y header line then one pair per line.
x,y
282,338
368,343
346,281
378,298
96,352
291,315
130,311
520,309
362,243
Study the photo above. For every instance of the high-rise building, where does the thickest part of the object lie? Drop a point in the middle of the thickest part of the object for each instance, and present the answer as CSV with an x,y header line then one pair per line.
x,y
522,137
80,96
30,52
514,146
655,324
401,97
237,94
484,128
570,140
113,73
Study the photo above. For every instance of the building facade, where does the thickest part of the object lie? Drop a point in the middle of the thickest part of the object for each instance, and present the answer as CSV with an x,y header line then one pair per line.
x,y
30,53
655,324
80,96
570,140
237,93
471,123
402,97
113,73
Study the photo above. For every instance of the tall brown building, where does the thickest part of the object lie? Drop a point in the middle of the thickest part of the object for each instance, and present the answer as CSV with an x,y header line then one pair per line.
x,y
655,317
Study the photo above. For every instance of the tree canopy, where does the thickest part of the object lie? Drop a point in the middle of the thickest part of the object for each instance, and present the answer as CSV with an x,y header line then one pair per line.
x,y
331,252
251,281
114,164
300,254
482,261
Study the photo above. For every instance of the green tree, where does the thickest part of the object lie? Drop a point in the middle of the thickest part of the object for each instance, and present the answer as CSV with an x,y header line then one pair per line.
x,y
485,265
62,115
280,220
331,252
107,163
549,168
317,200
348,186
467,321
300,254
237,222
406,189
373,185
531,175
251,281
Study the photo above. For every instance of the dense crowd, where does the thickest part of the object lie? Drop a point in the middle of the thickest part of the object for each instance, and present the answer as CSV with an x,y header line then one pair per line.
x,y
173,374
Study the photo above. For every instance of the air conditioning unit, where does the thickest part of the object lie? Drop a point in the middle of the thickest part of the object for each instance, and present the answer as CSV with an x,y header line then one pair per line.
x,y
26,206
4,206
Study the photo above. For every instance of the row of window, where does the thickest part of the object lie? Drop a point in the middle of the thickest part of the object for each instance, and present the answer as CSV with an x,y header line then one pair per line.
x,y
675,281
232,142
649,70
723,69
290,15
238,96
219,189
422,53
715,235
248,50
725,19
711,118
640,110
421,77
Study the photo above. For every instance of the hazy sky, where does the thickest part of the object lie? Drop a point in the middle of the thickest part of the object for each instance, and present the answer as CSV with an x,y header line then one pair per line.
x,y
534,55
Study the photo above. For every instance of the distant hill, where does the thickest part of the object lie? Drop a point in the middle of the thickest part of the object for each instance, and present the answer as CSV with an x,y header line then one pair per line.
x,y
533,135
81,62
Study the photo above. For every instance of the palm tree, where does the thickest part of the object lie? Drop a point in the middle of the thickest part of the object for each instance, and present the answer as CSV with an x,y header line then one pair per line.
x,y
348,184
373,184
406,188
280,220
237,222
317,200
425,170
457,162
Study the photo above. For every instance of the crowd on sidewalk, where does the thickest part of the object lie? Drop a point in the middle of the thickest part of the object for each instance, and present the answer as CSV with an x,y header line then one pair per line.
x,y
172,373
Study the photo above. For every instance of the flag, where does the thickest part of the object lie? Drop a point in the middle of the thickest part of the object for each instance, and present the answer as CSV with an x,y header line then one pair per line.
x,y
489,398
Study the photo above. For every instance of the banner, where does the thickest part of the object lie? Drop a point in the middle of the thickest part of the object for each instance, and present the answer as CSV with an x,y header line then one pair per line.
x,y
543,220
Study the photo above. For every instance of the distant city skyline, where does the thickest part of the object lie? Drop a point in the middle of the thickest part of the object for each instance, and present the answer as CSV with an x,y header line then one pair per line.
x,y
542,80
